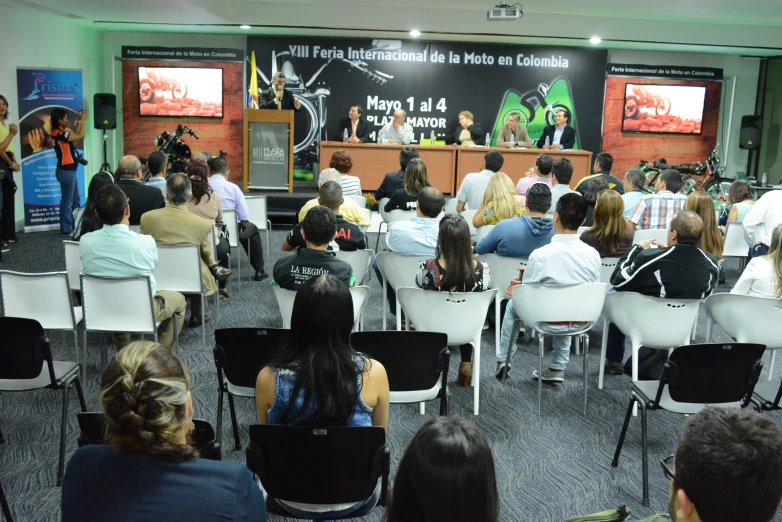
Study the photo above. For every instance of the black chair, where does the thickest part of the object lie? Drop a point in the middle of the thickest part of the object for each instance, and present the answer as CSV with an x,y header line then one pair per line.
x,y
695,376
5,506
93,431
416,363
240,355
24,348
767,395
320,465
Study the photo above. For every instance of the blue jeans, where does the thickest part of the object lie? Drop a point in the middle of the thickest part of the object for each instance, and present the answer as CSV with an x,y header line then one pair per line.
x,y
70,199
560,343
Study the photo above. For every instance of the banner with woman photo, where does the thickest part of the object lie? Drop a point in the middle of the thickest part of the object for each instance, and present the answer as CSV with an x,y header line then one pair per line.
x,y
40,92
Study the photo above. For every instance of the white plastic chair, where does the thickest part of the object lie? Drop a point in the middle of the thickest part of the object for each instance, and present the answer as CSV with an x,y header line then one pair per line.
x,y
179,270
538,305
44,297
231,223
104,312
259,215
736,244
647,321
501,270
481,232
381,205
361,201
359,260
72,264
135,228
460,315
747,319
581,230
397,271
607,267
468,215
285,299
660,234
450,206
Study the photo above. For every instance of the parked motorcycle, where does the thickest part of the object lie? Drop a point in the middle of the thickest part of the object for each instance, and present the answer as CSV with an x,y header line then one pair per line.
x,y
708,176
150,85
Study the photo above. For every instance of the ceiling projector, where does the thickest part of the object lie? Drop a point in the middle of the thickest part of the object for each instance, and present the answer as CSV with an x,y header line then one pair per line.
x,y
503,12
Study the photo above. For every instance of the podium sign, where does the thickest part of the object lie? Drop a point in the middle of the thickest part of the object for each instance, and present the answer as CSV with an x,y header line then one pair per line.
x,y
268,150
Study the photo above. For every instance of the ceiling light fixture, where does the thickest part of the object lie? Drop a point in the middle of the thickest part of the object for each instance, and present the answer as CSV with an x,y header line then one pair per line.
x,y
415,33
595,40
245,27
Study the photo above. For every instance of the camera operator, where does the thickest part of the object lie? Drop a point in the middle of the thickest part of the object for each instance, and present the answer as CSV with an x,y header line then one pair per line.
x,y
67,163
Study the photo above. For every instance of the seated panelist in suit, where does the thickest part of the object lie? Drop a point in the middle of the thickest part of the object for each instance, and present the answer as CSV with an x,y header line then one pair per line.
x,y
144,198
358,128
468,133
560,136
519,133
276,97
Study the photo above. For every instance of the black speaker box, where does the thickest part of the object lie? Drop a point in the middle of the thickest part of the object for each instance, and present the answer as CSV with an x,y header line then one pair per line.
x,y
105,111
751,131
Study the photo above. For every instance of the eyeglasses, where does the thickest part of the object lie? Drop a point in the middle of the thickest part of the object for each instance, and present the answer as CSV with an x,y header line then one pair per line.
x,y
667,465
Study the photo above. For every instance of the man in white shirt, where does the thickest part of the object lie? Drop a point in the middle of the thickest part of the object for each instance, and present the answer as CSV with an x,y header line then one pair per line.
x,y
397,131
416,236
562,171
565,261
760,221
474,184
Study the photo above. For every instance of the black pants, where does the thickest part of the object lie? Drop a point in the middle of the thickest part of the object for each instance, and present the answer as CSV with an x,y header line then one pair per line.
x,y
255,251
223,248
7,218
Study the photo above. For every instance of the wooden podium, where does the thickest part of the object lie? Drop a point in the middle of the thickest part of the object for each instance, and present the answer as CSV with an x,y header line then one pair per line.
x,y
268,149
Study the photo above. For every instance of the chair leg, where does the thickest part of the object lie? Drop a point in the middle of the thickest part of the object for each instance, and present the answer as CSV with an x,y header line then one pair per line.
x,y
80,393
84,354
603,350
577,347
5,506
385,301
585,338
203,320
237,444
771,364
422,408
645,456
2,438
622,433
476,374
76,345
540,370
220,417
63,434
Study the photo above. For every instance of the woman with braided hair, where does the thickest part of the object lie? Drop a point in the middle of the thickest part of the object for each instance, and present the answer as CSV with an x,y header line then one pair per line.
x,y
150,469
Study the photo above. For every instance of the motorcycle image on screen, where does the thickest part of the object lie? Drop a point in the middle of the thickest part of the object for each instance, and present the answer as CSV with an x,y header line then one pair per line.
x,y
642,98
708,176
154,83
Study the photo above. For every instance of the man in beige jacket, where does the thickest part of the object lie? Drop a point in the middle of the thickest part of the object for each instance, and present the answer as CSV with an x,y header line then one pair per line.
x,y
519,133
175,225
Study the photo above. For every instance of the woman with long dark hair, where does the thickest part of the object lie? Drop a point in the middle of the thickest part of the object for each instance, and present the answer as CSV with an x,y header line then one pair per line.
x,y
455,269
416,179
85,218
8,166
446,475
63,140
319,380
609,234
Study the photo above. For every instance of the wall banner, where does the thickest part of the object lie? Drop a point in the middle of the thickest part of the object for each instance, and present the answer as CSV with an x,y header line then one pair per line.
x,y
432,82
41,91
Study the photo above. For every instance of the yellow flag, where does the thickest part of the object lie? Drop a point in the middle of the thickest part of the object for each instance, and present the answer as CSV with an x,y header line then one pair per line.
x,y
252,103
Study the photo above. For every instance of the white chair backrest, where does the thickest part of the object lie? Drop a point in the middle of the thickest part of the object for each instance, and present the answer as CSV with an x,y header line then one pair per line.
x,y
459,314
361,201
229,218
468,215
450,206
735,243
256,205
135,228
399,270
285,299
607,266
581,230
748,319
179,269
104,311
652,321
502,270
360,296
399,215
480,233
660,234
72,263
381,205
359,260
536,303
44,297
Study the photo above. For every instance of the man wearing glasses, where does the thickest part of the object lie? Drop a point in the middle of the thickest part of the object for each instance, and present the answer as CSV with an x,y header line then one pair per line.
x,y
727,468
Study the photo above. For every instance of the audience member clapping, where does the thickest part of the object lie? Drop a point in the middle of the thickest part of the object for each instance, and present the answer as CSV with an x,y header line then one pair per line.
x,y
85,218
151,470
500,202
763,275
416,179
609,233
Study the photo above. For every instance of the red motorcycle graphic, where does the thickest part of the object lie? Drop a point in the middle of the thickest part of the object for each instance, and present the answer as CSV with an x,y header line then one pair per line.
x,y
642,98
149,86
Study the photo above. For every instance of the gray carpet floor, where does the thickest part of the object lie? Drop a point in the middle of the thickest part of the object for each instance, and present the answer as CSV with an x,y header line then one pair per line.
x,y
549,467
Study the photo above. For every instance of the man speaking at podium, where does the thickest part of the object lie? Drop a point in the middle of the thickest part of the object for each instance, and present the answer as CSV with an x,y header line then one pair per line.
x,y
277,97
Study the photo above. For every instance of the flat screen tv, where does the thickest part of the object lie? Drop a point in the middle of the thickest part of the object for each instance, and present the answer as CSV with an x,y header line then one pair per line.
x,y
177,92
670,109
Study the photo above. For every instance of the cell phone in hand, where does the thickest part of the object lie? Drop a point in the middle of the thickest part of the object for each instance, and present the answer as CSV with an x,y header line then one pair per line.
x,y
521,272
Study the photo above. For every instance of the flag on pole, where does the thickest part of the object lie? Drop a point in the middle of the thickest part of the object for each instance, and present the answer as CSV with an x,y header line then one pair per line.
x,y
252,98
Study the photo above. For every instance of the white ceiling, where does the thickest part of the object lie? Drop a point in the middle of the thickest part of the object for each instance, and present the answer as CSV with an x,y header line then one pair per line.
x,y
728,26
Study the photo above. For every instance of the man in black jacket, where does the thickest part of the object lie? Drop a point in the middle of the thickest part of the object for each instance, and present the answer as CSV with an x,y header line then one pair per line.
x,y
276,97
396,180
141,197
357,127
560,136
680,270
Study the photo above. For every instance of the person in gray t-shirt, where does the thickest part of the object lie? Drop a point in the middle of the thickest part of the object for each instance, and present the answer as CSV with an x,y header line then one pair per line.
x,y
474,184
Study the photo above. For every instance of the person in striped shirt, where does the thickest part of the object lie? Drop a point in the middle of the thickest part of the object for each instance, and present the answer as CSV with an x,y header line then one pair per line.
x,y
351,185
657,210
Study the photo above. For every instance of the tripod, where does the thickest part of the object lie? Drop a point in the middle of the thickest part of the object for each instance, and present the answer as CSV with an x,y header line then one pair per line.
x,y
105,167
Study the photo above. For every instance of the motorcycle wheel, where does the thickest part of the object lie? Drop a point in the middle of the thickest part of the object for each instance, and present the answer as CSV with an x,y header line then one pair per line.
x,y
146,90
553,109
664,107
179,91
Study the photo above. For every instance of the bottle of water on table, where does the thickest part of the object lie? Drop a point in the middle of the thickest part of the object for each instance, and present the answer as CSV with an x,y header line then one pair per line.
x,y
547,142
431,138
488,140
764,180
345,136
512,140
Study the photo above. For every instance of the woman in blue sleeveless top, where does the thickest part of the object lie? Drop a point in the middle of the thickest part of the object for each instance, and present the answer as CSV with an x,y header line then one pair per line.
x,y
319,380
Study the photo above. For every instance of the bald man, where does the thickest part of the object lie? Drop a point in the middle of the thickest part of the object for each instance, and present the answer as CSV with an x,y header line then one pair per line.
x,y
141,197
397,131
676,270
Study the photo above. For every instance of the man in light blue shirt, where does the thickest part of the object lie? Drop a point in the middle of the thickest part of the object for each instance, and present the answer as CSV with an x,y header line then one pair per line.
x,y
634,182
115,251
474,184
156,163
416,236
